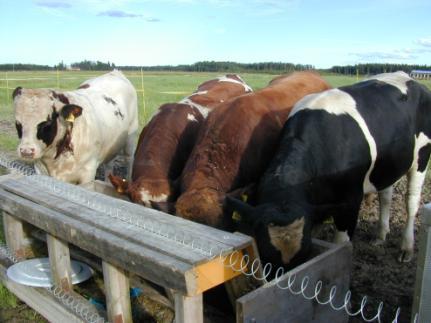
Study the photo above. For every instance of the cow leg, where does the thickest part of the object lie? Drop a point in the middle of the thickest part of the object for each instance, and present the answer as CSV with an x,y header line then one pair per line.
x,y
415,180
346,220
385,200
108,168
129,151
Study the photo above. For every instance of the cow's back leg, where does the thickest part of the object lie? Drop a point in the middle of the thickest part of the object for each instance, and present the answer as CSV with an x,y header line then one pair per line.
x,y
415,180
385,199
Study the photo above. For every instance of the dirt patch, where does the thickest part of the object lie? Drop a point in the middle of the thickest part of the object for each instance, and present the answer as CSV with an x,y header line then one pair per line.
x,y
376,272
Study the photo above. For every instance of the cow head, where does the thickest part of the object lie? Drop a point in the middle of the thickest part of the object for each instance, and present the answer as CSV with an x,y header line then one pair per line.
x,y
281,237
42,119
201,205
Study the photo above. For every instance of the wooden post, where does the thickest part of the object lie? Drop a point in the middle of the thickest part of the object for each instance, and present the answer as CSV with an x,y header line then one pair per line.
x,y
143,96
59,259
117,294
188,309
17,239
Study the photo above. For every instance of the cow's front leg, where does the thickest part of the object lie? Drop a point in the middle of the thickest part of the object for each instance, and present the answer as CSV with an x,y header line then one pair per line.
x,y
345,221
129,151
385,200
88,172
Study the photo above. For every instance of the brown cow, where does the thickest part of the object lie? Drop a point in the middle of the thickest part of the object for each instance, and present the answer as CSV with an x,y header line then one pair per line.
x,y
236,145
167,140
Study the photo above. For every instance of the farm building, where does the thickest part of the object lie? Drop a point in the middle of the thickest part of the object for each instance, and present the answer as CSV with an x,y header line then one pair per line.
x,y
421,74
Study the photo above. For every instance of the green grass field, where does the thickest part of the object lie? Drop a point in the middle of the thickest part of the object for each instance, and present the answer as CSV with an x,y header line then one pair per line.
x,y
153,89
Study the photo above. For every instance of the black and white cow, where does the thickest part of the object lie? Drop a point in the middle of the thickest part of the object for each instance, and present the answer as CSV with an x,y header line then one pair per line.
x,y
336,146
69,134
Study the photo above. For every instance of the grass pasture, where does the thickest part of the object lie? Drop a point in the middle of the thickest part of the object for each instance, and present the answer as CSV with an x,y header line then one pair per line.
x,y
154,89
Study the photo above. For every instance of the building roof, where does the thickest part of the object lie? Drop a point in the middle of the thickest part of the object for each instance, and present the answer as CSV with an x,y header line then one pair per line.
x,y
421,72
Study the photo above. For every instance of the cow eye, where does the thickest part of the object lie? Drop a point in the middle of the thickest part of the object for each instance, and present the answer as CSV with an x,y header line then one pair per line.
x,y
18,129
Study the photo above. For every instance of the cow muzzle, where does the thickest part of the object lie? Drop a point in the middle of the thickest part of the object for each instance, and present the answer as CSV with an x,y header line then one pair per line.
x,y
27,152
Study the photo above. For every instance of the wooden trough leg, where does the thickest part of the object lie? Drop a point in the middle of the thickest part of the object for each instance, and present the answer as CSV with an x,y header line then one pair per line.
x,y
59,259
188,309
17,239
117,294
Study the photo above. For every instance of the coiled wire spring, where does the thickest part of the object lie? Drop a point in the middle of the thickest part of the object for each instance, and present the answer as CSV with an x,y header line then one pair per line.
x,y
240,264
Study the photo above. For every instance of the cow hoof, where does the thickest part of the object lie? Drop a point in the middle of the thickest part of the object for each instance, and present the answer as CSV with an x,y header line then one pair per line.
x,y
405,256
378,242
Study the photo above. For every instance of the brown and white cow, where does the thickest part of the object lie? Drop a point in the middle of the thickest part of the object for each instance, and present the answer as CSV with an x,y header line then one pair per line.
x,y
69,134
238,142
167,140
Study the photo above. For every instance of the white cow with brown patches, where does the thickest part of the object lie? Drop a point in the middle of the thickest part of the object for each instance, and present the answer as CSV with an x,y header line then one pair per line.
x,y
69,134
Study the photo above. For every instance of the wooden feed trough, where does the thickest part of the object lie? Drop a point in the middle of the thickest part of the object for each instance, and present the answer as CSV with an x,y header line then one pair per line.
x,y
168,251
126,248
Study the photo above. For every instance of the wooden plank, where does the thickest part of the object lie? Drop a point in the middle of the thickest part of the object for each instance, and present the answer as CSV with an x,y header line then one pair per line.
x,y
43,301
17,238
117,294
59,259
160,269
270,303
188,309
216,272
114,225
195,230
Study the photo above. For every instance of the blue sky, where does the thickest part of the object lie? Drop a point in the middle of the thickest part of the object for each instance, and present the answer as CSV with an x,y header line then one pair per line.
x,y
145,32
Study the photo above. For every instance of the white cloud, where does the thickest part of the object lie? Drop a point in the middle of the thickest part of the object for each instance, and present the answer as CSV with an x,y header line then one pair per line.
x,y
424,42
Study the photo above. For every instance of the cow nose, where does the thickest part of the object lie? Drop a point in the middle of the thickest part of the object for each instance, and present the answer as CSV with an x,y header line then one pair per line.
x,y
27,152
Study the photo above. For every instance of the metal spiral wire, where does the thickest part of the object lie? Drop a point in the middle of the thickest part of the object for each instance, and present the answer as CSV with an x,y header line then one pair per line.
x,y
252,269
77,305
16,166
241,264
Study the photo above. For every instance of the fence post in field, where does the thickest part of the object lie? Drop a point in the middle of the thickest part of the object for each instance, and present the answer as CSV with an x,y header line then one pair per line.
x,y
422,295
7,90
58,79
143,95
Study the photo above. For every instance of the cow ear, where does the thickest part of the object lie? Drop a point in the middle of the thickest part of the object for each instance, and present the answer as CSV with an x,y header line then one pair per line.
x,y
241,210
120,184
243,193
71,111
167,207
16,92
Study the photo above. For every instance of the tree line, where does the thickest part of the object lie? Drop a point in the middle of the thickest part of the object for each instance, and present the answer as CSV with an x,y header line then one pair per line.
x,y
224,66
371,69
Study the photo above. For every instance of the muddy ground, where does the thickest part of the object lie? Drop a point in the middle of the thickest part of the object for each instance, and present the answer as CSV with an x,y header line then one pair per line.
x,y
376,271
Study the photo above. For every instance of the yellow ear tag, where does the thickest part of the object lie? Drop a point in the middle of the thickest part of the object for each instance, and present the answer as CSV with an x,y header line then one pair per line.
x,y
70,118
235,215
329,220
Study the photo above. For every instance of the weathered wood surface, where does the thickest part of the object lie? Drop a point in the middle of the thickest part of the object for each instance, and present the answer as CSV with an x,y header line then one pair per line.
x,y
270,304
150,255
59,259
188,309
117,294
17,236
